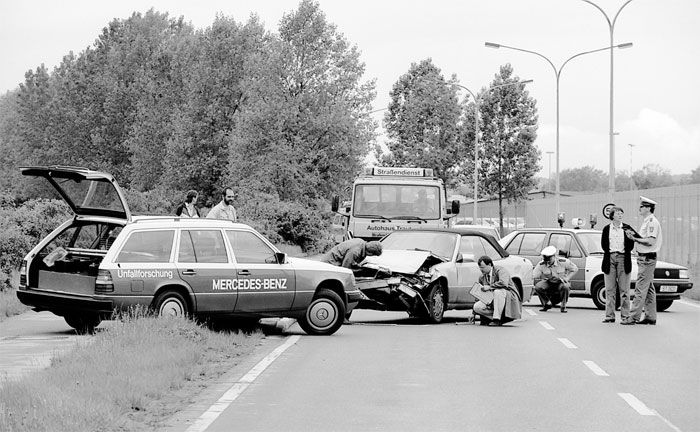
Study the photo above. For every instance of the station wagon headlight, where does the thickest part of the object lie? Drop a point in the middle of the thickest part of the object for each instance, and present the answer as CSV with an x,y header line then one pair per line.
x,y
683,274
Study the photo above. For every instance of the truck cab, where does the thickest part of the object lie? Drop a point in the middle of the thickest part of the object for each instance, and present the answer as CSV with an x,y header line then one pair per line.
x,y
386,199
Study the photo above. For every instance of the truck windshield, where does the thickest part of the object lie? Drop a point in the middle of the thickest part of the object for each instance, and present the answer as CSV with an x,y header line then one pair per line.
x,y
395,201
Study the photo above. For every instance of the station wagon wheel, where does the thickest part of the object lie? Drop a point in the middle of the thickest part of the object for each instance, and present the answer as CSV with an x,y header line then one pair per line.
x,y
324,315
435,304
171,304
83,323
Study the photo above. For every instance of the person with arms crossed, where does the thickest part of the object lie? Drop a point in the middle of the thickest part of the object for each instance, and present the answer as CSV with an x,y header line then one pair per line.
x,y
648,245
617,265
224,209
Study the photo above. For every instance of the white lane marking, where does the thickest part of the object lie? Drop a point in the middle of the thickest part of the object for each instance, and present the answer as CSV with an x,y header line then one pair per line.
x,y
206,419
532,313
546,325
595,368
567,343
644,410
687,303
636,404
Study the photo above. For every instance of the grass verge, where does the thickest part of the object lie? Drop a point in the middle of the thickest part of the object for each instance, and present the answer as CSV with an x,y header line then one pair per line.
x,y
130,376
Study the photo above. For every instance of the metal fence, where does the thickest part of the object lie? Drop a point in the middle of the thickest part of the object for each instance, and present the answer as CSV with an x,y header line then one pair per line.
x,y
678,211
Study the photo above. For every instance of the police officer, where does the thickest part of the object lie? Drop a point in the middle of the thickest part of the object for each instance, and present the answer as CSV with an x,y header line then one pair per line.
x,y
648,244
552,276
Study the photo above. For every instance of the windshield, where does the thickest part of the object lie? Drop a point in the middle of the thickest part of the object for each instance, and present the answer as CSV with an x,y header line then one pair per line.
x,y
395,201
591,241
440,244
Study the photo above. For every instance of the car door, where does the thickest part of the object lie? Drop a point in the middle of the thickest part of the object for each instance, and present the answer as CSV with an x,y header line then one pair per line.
x,y
471,248
568,247
527,245
264,285
203,263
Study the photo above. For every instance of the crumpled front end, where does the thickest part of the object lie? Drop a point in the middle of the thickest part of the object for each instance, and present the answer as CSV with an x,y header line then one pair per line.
x,y
387,289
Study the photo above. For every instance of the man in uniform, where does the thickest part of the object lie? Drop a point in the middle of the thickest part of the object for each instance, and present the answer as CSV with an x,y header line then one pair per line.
x,y
224,209
552,276
648,244
351,253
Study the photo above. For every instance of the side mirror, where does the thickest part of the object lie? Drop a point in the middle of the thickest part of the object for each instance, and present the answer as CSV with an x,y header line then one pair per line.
x,y
455,207
281,257
460,257
335,203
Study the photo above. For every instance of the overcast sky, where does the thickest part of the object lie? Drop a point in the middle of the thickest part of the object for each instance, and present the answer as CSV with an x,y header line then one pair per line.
x,y
656,97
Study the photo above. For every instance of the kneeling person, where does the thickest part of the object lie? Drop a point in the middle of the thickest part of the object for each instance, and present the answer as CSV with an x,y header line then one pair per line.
x,y
507,304
552,279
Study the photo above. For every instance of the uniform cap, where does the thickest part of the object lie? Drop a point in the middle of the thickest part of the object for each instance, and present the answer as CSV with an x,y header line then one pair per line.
x,y
646,201
549,251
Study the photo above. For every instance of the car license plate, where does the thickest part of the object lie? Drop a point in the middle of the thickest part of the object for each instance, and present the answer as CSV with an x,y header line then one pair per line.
x,y
667,288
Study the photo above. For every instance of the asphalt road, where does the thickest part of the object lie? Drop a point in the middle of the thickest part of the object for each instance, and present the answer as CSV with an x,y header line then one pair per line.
x,y
547,372
385,372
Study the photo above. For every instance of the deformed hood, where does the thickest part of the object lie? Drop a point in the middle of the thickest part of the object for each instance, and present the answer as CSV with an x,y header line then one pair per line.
x,y
399,261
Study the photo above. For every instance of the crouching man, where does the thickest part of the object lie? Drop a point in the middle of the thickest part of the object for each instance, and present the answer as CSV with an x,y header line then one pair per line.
x,y
552,279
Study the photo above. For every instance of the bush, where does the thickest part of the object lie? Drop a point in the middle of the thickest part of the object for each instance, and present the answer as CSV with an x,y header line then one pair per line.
x,y
14,245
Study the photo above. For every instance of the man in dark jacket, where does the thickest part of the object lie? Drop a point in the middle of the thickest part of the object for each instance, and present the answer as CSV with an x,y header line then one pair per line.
x,y
617,264
351,253
506,305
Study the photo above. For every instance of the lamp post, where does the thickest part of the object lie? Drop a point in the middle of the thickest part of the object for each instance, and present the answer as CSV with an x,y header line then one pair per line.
x,y
557,74
631,181
477,101
611,26
549,178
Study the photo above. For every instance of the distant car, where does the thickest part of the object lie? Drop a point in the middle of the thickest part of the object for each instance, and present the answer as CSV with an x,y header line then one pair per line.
x,y
104,259
426,272
582,246
487,229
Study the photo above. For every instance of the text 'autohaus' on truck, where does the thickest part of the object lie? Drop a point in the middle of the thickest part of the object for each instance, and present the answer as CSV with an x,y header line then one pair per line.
x,y
387,199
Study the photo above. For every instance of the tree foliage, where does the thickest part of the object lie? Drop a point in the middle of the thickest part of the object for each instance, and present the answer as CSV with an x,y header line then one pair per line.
x,y
509,158
585,178
423,123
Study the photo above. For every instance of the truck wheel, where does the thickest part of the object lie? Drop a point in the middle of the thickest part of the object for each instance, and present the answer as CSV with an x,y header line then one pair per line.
x,y
83,323
171,304
324,315
662,305
435,304
598,294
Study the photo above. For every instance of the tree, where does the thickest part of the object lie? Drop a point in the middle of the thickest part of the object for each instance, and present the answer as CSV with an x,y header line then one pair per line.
x,y
583,179
305,128
695,176
509,158
652,176
423,122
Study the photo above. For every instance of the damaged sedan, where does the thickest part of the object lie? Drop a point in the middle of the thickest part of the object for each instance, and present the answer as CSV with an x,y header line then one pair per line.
x,y
426,272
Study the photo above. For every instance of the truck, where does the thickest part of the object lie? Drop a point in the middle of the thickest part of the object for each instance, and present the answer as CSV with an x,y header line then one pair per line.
x,y
386,199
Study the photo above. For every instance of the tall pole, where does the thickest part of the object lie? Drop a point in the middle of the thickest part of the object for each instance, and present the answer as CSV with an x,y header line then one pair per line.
x,y
477,105
557,74
611,27
549,178
631,181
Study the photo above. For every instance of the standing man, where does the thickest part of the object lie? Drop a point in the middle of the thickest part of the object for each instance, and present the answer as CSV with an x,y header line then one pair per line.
x,y
648,245
224,209
552,276
617,265
351,253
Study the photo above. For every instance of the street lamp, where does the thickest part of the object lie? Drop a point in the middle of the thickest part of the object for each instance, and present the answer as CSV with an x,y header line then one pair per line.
x,y
477,101
611,26
557,73
549,178
631,181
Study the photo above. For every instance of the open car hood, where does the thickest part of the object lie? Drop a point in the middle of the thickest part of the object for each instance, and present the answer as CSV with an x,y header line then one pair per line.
x,y
87,192
398,261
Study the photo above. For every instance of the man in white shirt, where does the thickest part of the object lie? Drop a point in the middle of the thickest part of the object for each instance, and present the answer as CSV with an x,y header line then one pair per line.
x,y
648,245
224,209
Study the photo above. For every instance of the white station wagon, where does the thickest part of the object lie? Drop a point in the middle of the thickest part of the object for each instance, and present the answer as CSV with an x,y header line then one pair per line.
x,y
104,259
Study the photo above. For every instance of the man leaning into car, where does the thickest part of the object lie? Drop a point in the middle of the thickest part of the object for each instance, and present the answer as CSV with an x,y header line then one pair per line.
x,y
351,253
552,276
